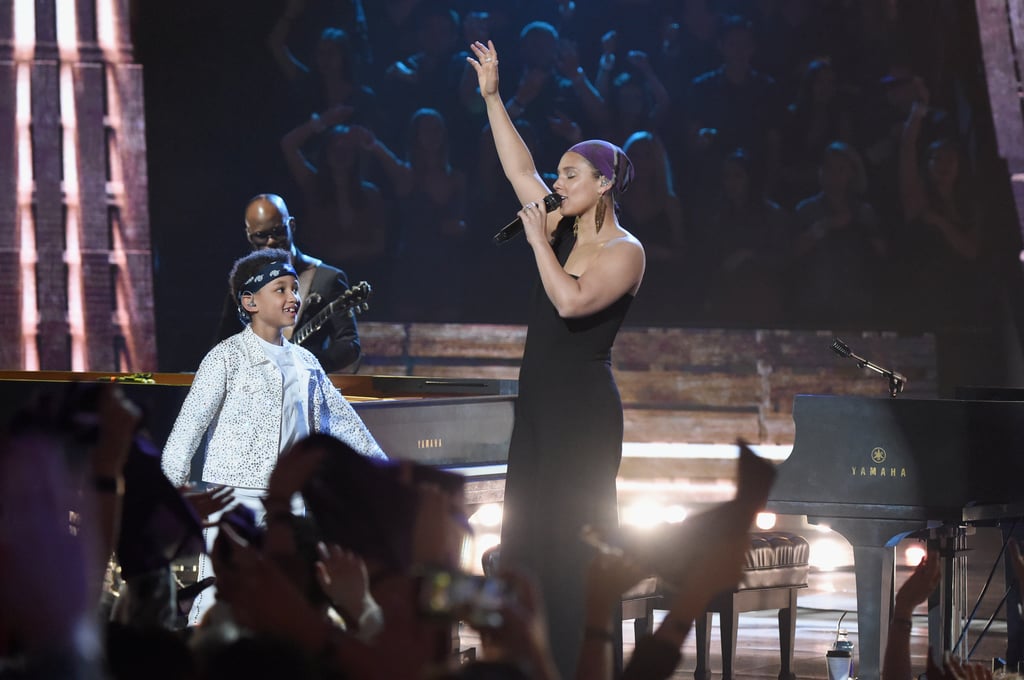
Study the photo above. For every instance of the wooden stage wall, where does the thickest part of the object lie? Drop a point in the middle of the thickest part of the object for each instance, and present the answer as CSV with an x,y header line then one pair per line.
x,y
678,384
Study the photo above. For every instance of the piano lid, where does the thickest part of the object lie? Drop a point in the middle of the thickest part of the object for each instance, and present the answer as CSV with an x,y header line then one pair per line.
x,y
352,386
900,458
448,422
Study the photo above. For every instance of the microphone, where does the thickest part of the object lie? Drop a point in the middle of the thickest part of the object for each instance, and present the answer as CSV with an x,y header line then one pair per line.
x,y
897,381
515,227
841,348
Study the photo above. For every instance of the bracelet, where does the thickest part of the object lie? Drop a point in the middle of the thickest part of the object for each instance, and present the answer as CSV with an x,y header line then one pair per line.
x,y
598,633
108,484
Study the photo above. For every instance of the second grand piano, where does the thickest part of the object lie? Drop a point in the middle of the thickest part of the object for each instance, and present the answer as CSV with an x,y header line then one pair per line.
x,y
875,470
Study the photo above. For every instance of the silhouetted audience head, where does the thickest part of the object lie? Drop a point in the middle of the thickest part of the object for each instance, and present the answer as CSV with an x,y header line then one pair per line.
x,y
334,56
650,160
438,31
739,177
736,40
842,170
256,656
428,139
817,85
943,163
538,45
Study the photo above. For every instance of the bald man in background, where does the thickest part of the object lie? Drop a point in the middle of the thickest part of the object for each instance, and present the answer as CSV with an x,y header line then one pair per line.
x,y
268,224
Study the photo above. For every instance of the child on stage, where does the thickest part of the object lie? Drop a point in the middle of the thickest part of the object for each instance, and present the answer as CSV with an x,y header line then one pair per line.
x,y
255,394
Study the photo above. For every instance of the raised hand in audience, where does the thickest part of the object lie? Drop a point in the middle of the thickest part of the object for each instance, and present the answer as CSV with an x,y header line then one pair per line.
x,y
118,421
610,574
522,637
915,590
437,529
717,566
918,586
343,577
293,469
953,668
208,502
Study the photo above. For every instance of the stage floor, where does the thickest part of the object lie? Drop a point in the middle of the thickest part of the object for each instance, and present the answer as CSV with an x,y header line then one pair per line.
x,y
827,597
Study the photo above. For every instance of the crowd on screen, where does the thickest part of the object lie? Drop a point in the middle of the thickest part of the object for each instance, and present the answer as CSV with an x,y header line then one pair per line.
x,y
798,163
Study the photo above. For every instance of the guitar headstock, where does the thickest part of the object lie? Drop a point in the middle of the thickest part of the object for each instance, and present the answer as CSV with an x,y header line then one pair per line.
x,y
356,297
353,301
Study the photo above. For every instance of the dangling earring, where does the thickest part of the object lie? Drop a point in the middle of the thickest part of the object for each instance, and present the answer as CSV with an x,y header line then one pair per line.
x,y
599,214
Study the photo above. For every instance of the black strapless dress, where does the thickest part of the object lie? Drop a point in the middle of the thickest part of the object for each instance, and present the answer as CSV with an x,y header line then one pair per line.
x,y
564,454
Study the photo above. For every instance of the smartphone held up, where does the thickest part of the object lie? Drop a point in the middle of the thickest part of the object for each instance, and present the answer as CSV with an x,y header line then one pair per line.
x,y
455,595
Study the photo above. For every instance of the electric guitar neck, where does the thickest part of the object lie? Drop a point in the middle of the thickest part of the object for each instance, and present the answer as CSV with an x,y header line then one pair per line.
x,y
352,301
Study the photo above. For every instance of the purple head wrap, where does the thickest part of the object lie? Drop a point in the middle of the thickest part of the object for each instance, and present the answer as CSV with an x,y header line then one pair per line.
x,y
611,161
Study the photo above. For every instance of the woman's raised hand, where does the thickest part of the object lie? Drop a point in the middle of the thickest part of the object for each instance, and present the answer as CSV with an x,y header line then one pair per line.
x,y
486,66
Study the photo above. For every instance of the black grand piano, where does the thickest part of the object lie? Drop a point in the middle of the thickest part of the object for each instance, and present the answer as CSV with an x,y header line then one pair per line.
x,y
875,470
454,423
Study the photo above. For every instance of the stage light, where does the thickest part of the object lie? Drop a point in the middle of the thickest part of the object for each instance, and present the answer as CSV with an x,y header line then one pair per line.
x,y
487,515
827,554
643,514
674,514
913,555
765,521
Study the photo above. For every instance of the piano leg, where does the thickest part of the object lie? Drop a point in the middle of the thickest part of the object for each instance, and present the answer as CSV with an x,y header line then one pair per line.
x,y
947,607
874,561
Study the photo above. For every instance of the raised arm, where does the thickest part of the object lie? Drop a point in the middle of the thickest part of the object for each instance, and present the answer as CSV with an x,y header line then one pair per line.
x,y
277,41
301,169
912,191
590,97
661,98
513,153
914,591
397,170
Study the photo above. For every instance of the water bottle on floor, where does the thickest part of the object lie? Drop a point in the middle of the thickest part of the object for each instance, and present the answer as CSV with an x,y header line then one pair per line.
x,y
840,657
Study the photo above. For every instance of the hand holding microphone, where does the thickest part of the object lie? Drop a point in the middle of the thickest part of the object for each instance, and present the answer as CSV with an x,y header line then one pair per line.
x,y
515,227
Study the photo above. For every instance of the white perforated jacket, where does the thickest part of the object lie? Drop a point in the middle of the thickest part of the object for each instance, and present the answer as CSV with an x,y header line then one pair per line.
x,y
235,401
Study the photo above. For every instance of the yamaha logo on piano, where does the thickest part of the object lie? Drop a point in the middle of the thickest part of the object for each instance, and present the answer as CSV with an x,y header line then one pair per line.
x,y
432,443
878,456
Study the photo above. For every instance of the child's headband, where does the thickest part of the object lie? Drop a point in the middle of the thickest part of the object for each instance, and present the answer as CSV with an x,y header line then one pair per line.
x,y
266,274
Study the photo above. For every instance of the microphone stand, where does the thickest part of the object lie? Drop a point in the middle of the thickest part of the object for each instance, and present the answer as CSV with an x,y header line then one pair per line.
x,y
897,381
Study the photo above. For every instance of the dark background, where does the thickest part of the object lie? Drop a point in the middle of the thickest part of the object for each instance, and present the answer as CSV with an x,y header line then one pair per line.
x,y
217,105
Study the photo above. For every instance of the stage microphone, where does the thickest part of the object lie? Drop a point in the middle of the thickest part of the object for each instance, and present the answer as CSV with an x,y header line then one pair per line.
x,y
897,381
841,348
515,227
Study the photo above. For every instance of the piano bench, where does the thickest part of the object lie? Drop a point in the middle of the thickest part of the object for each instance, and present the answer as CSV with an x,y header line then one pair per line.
x,y
776,569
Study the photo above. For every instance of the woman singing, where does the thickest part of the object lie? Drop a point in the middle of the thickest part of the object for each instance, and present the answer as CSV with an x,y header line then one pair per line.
x,y
567,438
